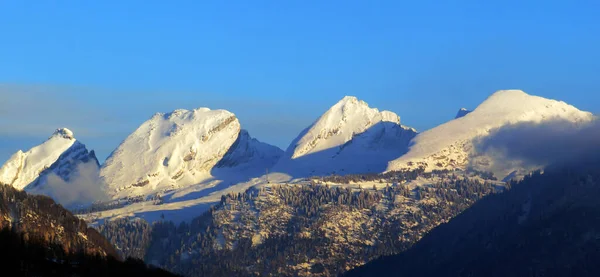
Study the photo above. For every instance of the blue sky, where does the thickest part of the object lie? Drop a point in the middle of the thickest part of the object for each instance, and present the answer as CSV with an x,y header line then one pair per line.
x,y
103,67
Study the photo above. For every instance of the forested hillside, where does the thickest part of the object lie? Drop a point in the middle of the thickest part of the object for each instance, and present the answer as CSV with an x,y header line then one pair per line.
x,y
40,218
546,225
301,230
40,238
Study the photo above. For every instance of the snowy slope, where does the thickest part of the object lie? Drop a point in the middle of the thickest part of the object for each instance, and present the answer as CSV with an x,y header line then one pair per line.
x,y
60,154
249,152
349,138
246,160
449,145
179,149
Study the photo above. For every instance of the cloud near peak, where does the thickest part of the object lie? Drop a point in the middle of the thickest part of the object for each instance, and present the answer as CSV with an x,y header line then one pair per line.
x,y
547,143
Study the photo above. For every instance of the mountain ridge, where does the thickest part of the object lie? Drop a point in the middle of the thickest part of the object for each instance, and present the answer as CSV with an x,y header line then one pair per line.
x,y
179,149
544,225
450,145
59,155
189,158
350,129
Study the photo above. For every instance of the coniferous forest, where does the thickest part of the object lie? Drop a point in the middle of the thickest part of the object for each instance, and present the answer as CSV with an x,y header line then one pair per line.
x,y
546,225
543,225
300,138
291,230
40,238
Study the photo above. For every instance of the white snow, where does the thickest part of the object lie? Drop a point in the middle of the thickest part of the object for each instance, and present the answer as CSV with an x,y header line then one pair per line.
x,y
192,157
179,149
449,145
169,151
339,125
178,205
350,137
24,167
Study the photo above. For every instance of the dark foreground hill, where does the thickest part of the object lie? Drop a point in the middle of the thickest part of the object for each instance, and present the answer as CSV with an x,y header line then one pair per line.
x,y
40,238
546,225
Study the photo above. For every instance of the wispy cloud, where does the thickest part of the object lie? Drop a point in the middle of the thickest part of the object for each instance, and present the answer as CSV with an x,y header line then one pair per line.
x,y
84,187
548,143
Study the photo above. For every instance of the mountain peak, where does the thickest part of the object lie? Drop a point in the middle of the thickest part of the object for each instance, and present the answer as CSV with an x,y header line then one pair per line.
x,y
509,93
516,105
348,105
179,148
348,98
60,154
388,116
184,114
450,145
337,125
183,148
348,131
63,133
511,99
462,112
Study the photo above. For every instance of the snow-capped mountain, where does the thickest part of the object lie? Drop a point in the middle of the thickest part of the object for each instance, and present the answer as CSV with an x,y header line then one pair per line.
x,y
249,152
181,148
450,145
462,112
349,138
60,155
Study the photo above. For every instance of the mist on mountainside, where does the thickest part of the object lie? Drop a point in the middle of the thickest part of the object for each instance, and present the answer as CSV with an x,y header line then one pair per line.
x,y
84,186
535,145
544,225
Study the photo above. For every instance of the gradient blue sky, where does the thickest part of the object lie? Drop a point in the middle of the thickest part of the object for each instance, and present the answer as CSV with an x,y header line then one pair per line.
x,y
103,67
